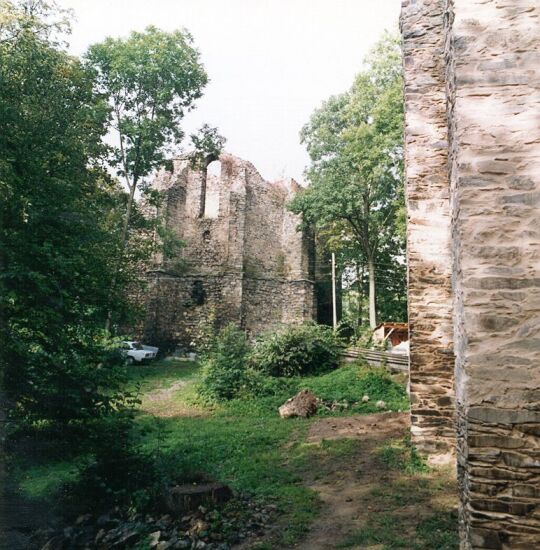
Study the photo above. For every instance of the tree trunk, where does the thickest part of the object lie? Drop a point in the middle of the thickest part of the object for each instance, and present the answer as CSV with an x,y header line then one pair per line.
x,y
123,244
372,310
359,281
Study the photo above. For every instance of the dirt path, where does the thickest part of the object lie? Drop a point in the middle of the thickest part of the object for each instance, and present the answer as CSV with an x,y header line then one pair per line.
x,y
346,488
166,403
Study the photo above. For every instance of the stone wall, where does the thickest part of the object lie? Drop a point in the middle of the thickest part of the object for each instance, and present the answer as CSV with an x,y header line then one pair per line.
x,y
492,80
493,51
244,261
428,230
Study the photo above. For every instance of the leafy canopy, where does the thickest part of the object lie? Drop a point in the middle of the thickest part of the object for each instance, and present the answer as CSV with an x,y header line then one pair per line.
x,y
152,79
55,238
355,143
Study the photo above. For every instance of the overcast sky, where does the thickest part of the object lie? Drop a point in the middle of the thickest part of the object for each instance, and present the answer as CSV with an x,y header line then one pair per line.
x,y
270,62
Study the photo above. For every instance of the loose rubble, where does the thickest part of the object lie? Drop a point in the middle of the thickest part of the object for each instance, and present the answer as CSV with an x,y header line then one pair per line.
x,y
214,528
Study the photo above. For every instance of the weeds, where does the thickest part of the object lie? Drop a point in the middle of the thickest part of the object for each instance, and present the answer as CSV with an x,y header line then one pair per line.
x,y
401,455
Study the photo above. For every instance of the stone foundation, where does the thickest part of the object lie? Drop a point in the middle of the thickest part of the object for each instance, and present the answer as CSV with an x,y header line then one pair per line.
x,y
499,476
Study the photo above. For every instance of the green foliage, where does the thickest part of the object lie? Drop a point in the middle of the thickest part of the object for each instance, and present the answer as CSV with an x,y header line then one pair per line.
x,y
364,338
351,383
117,469
401,455
346,330
203,334
242,442
225,372
297,350
56,242
356,192
208,144
151,79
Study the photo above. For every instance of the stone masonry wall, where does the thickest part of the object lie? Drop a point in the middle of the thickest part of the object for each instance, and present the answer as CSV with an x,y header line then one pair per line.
x,y
493,78
428,230
244,261
492,81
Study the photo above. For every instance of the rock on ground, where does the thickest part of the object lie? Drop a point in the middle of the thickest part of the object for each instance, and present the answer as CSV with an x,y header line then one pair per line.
x,y
304,404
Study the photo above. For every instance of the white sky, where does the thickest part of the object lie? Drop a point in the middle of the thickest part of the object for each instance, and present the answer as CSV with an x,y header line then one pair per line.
x,y
270,62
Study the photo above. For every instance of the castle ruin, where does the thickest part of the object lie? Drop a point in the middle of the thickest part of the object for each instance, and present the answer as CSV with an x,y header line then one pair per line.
x,y
243,260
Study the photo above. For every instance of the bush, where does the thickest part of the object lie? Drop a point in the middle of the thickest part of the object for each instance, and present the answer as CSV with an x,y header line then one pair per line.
x,y
117,468
297,350
351,382
346,331
225,365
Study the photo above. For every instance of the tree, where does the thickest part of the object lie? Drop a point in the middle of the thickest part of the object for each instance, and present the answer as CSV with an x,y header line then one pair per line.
x,y
55,243
355,144
151,79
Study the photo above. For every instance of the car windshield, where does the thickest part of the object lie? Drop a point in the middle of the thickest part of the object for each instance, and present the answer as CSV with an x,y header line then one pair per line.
x,y
136,345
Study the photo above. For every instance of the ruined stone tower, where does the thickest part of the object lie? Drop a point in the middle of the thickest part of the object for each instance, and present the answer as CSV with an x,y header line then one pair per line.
x,y
243,261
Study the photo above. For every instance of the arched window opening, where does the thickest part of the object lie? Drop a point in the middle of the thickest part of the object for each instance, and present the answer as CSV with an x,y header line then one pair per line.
x,y
213,178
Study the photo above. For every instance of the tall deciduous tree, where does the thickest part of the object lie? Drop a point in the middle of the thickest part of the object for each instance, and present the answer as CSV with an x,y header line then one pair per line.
x,y
55,246
152,79
355,144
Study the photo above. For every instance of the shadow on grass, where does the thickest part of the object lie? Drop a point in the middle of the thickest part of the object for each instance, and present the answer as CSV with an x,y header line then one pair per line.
x,y
415,509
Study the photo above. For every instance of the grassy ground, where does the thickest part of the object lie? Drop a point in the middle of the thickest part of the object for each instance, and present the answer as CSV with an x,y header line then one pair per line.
x,y
247,445
413,509
244,442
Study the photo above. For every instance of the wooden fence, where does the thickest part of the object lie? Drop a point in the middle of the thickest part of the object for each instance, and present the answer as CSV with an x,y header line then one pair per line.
x,y
394,362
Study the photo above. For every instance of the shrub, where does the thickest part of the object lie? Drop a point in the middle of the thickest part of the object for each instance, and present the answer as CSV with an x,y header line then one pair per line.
x,y
297,350
117,468
225,365
346,331
364,337
351,382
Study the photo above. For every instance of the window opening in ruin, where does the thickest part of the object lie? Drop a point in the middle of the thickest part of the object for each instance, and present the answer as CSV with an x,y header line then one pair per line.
x,y
210,179
206,236
198,295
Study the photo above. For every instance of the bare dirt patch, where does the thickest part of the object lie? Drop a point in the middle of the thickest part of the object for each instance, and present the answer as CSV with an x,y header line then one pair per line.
x,y
366,504
378,426
167,403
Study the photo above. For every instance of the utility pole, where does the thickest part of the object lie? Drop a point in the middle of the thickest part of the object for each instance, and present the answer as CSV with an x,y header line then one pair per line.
x,y
334,307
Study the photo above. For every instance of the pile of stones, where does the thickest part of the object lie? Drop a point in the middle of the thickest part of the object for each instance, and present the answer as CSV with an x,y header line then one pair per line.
x,y
219,527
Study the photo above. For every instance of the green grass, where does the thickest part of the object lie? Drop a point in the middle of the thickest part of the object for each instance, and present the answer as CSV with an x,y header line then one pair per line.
x,y
243,442
398,519
401,455
436,532
40,481
350,383
347,384
307,454
240,443
161,374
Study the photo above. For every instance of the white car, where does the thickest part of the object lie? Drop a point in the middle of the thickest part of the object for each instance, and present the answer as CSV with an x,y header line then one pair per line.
x,y
135,352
